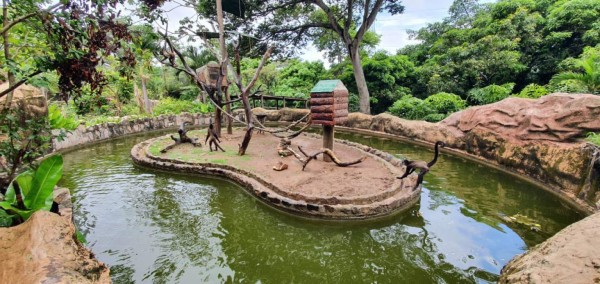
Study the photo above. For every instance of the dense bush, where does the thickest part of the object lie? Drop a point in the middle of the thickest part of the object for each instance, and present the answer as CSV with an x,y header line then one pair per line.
x,y
432,109
489,94
410,107
567,86
532,91
172,106
445,103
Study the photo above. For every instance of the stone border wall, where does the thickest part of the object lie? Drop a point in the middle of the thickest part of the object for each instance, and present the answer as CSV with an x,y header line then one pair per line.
x,y
565,169
86,135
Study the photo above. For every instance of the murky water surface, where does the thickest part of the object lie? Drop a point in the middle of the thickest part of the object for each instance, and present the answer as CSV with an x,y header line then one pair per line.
x,y
157,227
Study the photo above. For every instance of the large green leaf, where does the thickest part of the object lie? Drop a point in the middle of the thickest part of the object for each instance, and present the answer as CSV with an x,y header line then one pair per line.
x,y
14,210
44,180
25,179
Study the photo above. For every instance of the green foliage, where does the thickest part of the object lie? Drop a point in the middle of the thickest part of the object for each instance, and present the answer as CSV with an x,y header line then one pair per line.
x,y
36,188
7,220
410,107
490,94
593,138
435,117
387,77
587,74
532,91
172,106
432,109
445,103
25,138
520,41
59,121
297,78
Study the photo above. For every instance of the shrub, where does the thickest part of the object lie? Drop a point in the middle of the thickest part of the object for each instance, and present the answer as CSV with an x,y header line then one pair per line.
x,y
435,117
59,121
410,107
532,91
173,106
489,94
445,103
593,138
568,86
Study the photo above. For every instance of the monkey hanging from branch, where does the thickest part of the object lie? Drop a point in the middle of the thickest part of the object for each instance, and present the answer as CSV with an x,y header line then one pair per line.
x,y
183,138
422,166
212,138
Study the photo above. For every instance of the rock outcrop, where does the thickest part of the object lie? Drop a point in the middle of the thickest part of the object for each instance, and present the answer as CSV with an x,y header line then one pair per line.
x,y
45,249
28,98
570,256
558,117
539,138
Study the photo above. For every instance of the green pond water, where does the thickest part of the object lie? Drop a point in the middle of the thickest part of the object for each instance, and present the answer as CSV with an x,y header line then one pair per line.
x,y
157,227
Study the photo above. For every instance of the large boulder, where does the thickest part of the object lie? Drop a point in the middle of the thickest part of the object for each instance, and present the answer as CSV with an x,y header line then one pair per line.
x,y
30,99
570,256
556,117
44,249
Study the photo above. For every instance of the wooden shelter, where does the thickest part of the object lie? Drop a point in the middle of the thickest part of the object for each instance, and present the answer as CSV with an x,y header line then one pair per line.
x,y
329,102
328,107
209,74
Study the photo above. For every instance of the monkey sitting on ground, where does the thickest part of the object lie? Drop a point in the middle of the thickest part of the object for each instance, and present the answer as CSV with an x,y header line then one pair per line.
x,y
212,138
423,166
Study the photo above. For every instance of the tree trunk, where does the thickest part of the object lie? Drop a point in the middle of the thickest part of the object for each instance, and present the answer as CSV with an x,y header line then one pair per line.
x,y
249,120
218,118
228,110
7,58
359,77
147,106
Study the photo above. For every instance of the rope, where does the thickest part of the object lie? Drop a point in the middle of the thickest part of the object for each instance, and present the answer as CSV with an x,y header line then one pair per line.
x,y
260,125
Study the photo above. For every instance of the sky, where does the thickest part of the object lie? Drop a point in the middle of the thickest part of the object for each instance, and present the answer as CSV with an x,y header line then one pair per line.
x,y
393,29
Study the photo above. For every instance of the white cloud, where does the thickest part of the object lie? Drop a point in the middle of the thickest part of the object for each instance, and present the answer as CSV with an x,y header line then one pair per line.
x,y
393,29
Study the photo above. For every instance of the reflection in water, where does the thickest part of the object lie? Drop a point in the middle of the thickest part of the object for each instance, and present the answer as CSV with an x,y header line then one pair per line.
x,y
161,227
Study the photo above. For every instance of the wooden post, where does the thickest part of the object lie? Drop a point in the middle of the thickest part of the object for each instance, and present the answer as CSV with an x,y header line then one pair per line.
x,y
262,101
327,140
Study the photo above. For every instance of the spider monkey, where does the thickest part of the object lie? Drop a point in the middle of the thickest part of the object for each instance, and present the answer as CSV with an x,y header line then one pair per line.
x,y
212,138
423,166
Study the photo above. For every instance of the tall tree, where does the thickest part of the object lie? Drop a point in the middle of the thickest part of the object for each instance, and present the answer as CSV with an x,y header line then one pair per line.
x,y
291,23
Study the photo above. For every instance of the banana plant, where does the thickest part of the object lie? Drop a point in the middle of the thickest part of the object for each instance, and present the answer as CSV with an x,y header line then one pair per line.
x,y
32,190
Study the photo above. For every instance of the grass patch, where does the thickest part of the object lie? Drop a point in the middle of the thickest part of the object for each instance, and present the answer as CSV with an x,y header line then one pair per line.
x,y
593,138
219,161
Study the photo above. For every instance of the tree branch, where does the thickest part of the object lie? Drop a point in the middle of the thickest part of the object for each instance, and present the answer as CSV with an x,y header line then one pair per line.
x,y
332,20
27,16
260,67
19,83
368,20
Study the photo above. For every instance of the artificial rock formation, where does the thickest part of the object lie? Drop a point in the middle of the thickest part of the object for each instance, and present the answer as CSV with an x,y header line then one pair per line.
x,y
28,98
45,249
570,256
558,118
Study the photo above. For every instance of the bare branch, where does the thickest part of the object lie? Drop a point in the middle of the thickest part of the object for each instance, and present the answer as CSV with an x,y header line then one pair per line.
x,y
368,20
260,67
19,83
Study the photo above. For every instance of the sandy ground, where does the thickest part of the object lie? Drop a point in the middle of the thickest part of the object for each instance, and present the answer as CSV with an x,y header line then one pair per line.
x,y
319,179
